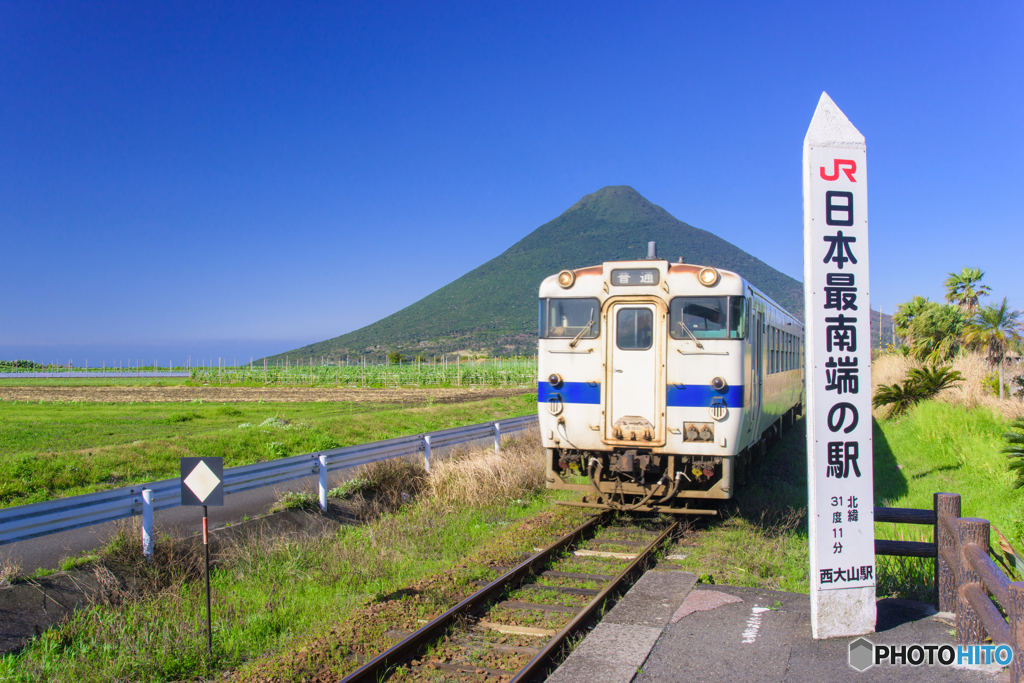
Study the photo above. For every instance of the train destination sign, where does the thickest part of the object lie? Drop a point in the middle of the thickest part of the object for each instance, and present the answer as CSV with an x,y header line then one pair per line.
x,y
625,277
838,376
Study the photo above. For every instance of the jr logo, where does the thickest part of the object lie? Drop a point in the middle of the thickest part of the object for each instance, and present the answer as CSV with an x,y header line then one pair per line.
x,y
848,166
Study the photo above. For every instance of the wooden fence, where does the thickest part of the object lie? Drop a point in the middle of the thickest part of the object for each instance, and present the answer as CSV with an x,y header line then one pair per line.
x,y
966,578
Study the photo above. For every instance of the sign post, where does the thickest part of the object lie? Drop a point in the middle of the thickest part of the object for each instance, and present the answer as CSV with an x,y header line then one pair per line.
x,y
838,376
202,483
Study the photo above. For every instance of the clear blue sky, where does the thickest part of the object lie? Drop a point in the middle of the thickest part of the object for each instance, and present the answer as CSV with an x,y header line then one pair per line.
x,y
235,180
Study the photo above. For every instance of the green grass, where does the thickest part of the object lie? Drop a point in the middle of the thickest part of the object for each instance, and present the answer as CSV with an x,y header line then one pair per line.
x,y
92,382
935,447
939,447
51,450
268,596
760,540
430,373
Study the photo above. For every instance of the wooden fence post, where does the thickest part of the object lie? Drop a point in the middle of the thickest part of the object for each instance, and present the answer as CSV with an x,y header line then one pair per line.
x,y
1015,614
970,531
945,576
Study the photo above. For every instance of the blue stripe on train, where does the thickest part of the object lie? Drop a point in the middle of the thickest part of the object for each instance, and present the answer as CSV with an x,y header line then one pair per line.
x,y
700,395
570,392
692,396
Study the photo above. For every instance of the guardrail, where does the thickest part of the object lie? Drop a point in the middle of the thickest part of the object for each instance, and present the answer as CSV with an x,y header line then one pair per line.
x,y
64,514
966,578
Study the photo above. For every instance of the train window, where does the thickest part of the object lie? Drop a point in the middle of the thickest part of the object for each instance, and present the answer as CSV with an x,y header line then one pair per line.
x,y
708,317
634,329
570,318
737,317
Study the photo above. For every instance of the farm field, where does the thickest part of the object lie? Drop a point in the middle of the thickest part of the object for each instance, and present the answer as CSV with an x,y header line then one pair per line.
x,y
158,393
443,371
68,447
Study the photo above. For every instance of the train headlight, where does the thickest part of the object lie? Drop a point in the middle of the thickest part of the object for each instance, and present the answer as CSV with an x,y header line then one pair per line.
x,y
718,384
555,380
708,277
566,279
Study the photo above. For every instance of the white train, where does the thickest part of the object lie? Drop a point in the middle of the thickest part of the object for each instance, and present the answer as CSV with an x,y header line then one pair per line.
x,y
660,382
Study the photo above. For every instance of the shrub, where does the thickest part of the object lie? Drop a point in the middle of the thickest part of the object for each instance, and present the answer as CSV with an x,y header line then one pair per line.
x,y
1015,450
350,488
482,478
991,382
296,500
920,385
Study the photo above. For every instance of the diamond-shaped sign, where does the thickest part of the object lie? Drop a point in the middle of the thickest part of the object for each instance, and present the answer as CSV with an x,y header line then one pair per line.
x,y
202,481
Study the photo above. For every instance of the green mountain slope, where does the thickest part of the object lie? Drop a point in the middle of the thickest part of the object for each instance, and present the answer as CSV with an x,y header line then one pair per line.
x,y
494,307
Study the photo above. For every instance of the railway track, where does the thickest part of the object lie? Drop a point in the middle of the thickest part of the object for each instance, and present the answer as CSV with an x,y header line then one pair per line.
x,y
514,627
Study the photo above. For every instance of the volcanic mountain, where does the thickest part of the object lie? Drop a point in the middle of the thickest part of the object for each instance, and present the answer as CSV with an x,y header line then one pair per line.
x,y
493,308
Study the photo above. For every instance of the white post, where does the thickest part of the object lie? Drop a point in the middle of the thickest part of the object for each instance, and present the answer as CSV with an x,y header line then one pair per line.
x,y
497,437
147,524
323,482
426,452
838,376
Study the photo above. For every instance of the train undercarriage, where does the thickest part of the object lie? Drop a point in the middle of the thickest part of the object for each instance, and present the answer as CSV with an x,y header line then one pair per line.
x,y
639,480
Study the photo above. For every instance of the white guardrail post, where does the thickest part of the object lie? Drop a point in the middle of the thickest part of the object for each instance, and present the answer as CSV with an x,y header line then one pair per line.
x,y
147,524
323,482
426,452
497,437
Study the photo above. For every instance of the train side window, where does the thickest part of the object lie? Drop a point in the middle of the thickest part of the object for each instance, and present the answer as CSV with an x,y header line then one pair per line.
x,y
570,318
775,350
706,317
634,329
737,317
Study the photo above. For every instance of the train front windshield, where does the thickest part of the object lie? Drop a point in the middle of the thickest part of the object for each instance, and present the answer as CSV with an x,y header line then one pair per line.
x,y
708,317
569,318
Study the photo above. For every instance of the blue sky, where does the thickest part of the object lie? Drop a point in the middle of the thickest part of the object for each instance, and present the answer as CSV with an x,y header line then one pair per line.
x,y
218,179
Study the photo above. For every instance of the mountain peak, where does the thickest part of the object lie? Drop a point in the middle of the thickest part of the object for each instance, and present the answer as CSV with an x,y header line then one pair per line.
x,y
494,306
617,203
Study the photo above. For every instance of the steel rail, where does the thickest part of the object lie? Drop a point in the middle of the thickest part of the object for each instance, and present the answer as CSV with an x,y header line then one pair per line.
x,y
375,669
541,659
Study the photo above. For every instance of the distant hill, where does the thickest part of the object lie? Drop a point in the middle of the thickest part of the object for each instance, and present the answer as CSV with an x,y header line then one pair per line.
x,y
493,308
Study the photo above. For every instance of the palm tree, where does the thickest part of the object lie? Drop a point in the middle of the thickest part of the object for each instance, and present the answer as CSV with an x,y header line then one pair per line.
x,y
995,328
930,330
905,315
965,289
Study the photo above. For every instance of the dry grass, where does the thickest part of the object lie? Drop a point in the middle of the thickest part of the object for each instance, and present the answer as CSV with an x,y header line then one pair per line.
x,y
479,478
970,393
10,569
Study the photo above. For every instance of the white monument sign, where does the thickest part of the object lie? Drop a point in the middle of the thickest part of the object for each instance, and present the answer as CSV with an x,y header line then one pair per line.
x,y
838,375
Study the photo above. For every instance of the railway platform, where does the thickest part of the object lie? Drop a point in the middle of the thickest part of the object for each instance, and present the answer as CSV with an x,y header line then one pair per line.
x,y
668,628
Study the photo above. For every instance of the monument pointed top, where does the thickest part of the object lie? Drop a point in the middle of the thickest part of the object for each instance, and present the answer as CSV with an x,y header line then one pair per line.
x,y
830,127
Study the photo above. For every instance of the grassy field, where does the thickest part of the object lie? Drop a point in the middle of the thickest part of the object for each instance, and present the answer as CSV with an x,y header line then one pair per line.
x,y
60,449
446,371
942,447
93,382
275,595
761,541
